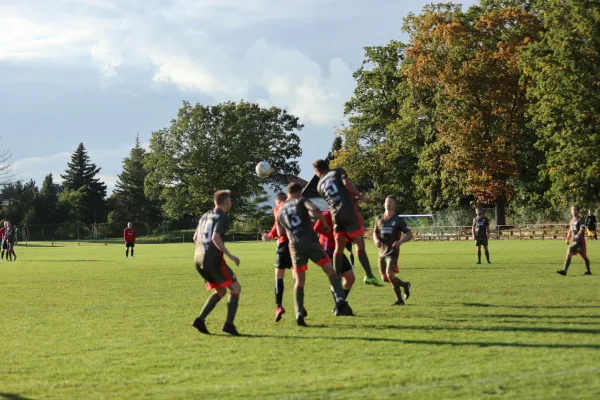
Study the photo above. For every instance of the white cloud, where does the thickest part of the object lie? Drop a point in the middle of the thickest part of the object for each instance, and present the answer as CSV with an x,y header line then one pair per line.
x,y
175,39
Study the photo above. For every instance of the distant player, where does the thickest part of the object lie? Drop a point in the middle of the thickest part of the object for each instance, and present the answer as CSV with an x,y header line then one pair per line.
x,y
294,218
481,234
590,223
339,192
327,241
388,237
576,242
129,237
210,263
283,259
11,240
3,240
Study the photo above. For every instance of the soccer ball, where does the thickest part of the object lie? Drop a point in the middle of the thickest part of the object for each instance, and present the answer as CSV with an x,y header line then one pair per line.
x,y
263,169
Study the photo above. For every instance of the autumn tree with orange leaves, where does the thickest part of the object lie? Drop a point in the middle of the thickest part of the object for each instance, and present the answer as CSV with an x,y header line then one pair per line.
x,y
471,61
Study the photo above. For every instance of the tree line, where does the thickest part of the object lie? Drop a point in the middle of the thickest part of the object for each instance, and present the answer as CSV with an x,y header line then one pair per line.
x,y
496,105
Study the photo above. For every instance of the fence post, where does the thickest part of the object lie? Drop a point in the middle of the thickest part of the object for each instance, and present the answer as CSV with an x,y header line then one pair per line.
x,y
105,243
183,238
52,241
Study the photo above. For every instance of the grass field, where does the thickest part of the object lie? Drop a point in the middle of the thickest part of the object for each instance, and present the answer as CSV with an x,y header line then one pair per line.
x,y
86,323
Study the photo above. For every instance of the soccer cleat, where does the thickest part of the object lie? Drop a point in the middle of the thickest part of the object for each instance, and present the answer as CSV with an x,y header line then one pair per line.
x,y
588,273
230,328
201,326
15,258
399,303
300,321
562,272
373,281
478,262
343,309
279,311
406,290
489,262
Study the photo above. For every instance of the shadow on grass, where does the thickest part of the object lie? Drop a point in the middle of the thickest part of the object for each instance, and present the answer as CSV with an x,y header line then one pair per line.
x,y
480,329
429,342
12,396
527,316
66,261
519,306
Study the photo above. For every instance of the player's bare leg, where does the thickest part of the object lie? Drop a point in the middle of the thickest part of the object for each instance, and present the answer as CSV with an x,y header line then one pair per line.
x,y
359,241
279,310
299,281
232,305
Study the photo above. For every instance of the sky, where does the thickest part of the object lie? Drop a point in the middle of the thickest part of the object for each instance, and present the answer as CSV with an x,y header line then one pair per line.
x,y
103,71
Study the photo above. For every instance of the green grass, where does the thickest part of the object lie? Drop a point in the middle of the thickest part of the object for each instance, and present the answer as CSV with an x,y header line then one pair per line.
x,y
84,322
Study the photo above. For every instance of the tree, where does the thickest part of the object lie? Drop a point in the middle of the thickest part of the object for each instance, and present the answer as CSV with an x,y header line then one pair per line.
x,y
5,166
48,201
564,69
20,199
82,173
130,201
208,148
470,60
70,204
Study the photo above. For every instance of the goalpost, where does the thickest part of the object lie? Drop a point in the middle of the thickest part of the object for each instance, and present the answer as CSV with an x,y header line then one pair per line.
x,y
424,224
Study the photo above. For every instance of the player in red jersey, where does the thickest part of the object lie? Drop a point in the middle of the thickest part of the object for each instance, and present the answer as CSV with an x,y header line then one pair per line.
x,y
327,241
129,237
283,259
576,242
3,241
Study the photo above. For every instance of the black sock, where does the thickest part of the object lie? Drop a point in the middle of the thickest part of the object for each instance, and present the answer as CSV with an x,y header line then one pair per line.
x,y
346,292
299,300
131,252
14,255
338,264
587,264
278,291
479,255
397,284
336,284
209,306
127,253
232,306
487,255
352,258
364,261
3,254
333,295
567,264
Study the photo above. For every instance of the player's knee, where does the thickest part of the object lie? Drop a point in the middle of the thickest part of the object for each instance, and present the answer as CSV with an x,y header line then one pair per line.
x,y
221,292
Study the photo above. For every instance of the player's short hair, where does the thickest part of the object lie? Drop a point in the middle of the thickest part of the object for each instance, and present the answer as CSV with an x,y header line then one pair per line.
x,y
390,197
221,196
281,196
321,165
575,206
294,188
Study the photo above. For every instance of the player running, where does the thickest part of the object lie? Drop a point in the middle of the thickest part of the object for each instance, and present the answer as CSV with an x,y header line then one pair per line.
x,y
481,234
294,218
339,192
576,242
327,241
388,238
210,263
129,237
283,259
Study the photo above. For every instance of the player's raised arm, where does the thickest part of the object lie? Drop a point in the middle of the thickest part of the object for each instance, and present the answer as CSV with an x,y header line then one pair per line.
x,y
354,192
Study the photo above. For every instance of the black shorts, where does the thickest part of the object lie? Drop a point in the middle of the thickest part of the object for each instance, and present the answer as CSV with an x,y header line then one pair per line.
x,y
388,262
481,242
308,251
347,265
283,259
130,244
215,272
348,224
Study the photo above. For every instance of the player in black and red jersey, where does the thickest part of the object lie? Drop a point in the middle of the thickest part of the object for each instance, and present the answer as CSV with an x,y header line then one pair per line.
x,y
283,259
340,193
576,242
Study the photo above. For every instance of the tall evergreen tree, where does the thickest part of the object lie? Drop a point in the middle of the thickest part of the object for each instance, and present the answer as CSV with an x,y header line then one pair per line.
x,y
129,194
82,174
48,201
